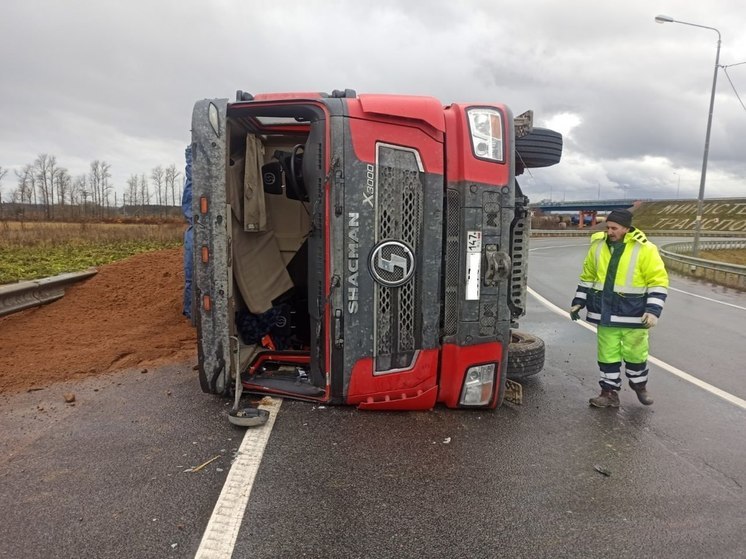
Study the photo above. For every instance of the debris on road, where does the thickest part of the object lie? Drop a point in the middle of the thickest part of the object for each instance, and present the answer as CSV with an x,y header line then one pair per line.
x,y
601,470
198,468
69,397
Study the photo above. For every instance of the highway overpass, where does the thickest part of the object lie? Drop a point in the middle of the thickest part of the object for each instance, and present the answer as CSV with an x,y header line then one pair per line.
x,y
587,209
585,205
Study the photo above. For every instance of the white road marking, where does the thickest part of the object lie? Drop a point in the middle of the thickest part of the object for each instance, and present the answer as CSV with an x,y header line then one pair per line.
x,y
220,535
707,298
735,400
669,287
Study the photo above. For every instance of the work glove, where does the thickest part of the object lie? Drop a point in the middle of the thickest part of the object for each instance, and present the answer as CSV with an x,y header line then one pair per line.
x,y
649,320
575,312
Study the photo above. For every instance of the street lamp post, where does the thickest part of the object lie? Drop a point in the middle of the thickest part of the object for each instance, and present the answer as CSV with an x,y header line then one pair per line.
x,y
701,197
678,186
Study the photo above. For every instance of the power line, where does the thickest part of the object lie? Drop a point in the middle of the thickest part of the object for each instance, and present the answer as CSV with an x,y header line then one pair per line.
x,y
725,69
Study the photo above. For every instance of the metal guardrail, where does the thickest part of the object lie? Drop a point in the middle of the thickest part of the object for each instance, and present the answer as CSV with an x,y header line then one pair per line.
x,y
676,258
731,275
15,297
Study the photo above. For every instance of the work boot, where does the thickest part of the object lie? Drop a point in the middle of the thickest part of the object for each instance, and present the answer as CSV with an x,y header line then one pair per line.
x,y
642,394
607,399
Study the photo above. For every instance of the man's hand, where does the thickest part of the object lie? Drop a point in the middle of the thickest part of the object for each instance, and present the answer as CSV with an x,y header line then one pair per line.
x,y
575,312
649,320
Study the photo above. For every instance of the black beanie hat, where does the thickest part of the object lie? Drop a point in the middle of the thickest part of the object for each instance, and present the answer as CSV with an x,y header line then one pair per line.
x,y
622,217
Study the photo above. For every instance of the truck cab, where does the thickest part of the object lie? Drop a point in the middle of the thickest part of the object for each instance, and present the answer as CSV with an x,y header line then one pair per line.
x,y
367,250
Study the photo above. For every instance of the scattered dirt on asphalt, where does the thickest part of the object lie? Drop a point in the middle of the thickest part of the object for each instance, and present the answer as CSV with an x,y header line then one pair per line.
x,y
128,315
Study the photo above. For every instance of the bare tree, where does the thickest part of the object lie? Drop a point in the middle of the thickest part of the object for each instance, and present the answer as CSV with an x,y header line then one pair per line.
x,y
94,182
99,182
44,168
62,182
25,192
172,176
131,192
77,187
158,177
106,187
144,191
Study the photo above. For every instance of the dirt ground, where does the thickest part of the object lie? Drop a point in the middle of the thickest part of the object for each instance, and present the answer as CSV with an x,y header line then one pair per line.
x,y
128,315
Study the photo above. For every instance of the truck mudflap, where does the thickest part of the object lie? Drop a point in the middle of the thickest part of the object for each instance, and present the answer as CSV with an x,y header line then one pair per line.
x,y
513,392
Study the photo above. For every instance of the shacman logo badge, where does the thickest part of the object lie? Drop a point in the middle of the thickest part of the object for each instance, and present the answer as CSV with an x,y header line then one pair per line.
x,y
391,263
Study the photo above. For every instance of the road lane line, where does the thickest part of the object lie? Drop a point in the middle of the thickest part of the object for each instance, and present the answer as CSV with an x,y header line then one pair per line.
x,y
735,400
220,535
669,287
706,298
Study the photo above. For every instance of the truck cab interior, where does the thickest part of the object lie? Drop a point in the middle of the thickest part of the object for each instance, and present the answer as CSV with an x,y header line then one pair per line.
x,y
274,179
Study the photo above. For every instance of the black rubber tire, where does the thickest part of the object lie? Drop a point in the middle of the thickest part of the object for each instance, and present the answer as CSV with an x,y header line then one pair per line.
x,y
525,355
542,147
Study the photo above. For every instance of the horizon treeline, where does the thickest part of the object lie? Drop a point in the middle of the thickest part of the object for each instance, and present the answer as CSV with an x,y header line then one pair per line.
x,y
46,183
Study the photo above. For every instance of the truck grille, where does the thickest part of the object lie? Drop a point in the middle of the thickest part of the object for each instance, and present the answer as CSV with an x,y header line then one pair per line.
x,y
399,198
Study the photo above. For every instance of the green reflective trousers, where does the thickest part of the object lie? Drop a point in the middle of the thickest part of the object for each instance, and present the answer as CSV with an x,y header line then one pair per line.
x,y
617,344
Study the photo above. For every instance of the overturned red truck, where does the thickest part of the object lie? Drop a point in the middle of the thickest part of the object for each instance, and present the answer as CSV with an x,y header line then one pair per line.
x,y
368,250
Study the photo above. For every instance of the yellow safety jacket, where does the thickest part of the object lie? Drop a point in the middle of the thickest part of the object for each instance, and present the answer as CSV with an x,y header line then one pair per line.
x,y
639,285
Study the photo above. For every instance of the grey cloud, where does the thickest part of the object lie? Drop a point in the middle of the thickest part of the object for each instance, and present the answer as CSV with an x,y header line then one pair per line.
x,y
91,80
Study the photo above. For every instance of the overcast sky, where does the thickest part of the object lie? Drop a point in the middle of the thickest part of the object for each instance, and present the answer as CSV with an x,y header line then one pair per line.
x,y
116,80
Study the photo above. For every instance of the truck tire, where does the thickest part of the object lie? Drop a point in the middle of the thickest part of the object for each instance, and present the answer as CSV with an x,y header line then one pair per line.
x,y
525,355
542,147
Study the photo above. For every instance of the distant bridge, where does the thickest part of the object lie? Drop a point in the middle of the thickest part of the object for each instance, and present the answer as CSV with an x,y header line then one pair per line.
x,y
587,209
584,205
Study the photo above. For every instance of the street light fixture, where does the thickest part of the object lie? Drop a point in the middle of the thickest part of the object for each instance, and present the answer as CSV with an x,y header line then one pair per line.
x,y
701,197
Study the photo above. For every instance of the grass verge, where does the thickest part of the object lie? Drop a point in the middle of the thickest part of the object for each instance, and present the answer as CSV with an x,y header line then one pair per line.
x,y
36,250
730,256
39,262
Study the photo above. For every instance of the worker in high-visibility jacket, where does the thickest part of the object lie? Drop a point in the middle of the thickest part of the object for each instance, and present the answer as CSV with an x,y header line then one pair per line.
x,y
623,287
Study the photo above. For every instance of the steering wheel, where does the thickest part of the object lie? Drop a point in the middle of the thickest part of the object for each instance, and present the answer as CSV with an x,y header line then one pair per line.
x,y
297,189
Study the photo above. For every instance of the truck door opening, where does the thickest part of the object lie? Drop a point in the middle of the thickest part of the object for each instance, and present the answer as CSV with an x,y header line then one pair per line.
x,y
274,187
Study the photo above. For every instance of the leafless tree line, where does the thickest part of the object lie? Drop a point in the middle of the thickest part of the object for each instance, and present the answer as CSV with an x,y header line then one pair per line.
x,y
44,182
166,190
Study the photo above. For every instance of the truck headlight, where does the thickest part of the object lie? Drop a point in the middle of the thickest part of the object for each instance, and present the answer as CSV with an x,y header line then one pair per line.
x,y
478,385
485,126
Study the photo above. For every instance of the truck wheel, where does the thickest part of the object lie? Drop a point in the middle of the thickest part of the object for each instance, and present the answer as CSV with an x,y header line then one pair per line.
x,y
542,147
525,355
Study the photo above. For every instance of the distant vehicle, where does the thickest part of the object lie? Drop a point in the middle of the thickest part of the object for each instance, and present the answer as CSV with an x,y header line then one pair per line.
x,y
575,220
587,220
368,250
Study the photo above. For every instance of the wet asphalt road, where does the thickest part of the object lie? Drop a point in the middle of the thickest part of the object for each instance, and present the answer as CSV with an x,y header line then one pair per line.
x,y
106,477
